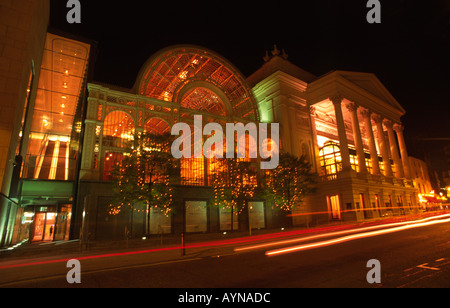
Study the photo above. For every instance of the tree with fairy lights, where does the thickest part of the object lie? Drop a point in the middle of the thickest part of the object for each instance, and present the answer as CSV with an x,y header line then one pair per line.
x,y
288,184
233,184
145,178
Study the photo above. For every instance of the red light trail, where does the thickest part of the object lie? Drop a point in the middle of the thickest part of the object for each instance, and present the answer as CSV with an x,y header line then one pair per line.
x,y
330,231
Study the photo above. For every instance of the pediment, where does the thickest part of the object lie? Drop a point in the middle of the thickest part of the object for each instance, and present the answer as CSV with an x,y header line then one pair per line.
x,y
365,89
370,83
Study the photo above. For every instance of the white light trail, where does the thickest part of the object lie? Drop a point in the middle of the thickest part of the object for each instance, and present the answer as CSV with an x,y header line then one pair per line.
x,y
329,234
410,225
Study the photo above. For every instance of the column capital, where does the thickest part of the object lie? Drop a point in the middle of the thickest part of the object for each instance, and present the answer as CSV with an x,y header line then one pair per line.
x,y
399,128
312,110
336,99
377,118
388,123
366,113
352,107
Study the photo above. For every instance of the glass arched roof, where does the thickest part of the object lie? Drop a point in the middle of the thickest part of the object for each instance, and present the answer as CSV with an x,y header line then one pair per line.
x,y
203,99
173,69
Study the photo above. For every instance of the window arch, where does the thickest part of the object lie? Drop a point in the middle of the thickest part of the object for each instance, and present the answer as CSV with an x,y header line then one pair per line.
x,y
203,99
193,169
118,129
168,73
330,158
156,126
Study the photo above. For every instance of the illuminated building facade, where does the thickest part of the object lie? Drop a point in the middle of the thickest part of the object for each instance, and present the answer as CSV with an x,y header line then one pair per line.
x,y
52,144
346,124
41,121
349,127
430,197
23,25
174,85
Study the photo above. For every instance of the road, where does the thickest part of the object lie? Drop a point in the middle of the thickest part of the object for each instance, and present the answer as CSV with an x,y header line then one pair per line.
x,y
411,258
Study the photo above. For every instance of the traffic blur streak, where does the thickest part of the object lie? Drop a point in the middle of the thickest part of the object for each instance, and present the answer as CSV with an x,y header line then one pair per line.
x,y
218,243
225,242
330,234
409,225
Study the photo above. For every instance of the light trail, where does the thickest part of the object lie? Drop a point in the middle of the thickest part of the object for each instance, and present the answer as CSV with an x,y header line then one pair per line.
x,y
329,234
355,237
225,242
218,243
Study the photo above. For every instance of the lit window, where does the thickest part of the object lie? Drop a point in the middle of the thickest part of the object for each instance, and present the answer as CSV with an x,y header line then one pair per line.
x,y
156,126
334,206
118,130
111,161
205,100
330,158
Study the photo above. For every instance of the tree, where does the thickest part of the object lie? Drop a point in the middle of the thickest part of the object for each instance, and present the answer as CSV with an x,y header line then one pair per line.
x,y
288,184
233,183
145,178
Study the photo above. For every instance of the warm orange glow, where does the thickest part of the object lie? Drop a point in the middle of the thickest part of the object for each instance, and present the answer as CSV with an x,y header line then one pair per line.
x,y
204,100
156,126
174,68
335,233
57,97
388,228
118,129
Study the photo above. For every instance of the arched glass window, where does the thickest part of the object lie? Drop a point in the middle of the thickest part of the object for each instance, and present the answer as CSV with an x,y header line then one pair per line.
x,y
330,158
193,169
118,130
204,100
168,72
156,126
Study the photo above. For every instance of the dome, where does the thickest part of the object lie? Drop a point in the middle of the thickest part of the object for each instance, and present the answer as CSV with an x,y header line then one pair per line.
x,y
197,78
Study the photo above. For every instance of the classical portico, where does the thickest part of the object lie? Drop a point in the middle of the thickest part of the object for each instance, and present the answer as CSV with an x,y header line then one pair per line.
x,y
362,156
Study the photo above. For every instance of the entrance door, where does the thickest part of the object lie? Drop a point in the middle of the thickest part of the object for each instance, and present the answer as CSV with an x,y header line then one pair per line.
x,y
334,206
39,227
44,227
49,227
367,212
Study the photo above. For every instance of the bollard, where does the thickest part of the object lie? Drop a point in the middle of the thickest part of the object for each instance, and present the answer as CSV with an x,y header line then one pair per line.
x,y
183,251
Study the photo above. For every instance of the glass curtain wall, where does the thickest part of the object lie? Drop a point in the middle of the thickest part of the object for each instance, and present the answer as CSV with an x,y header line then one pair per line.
x,y
63,69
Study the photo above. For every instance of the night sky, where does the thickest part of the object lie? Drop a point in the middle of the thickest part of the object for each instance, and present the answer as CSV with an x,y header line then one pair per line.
x,y
409,51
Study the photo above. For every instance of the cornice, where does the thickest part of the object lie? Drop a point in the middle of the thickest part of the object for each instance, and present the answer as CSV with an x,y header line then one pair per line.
x,y
334,84
276,79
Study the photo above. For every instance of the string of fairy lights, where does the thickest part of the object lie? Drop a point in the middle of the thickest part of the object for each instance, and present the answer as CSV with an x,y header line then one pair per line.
x,y
141,181
232,186
233,182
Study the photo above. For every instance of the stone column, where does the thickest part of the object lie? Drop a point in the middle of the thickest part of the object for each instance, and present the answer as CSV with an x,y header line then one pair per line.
x,y
312,111
372,146
394,150
383,146
343,143
353,108
88,150
404,153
